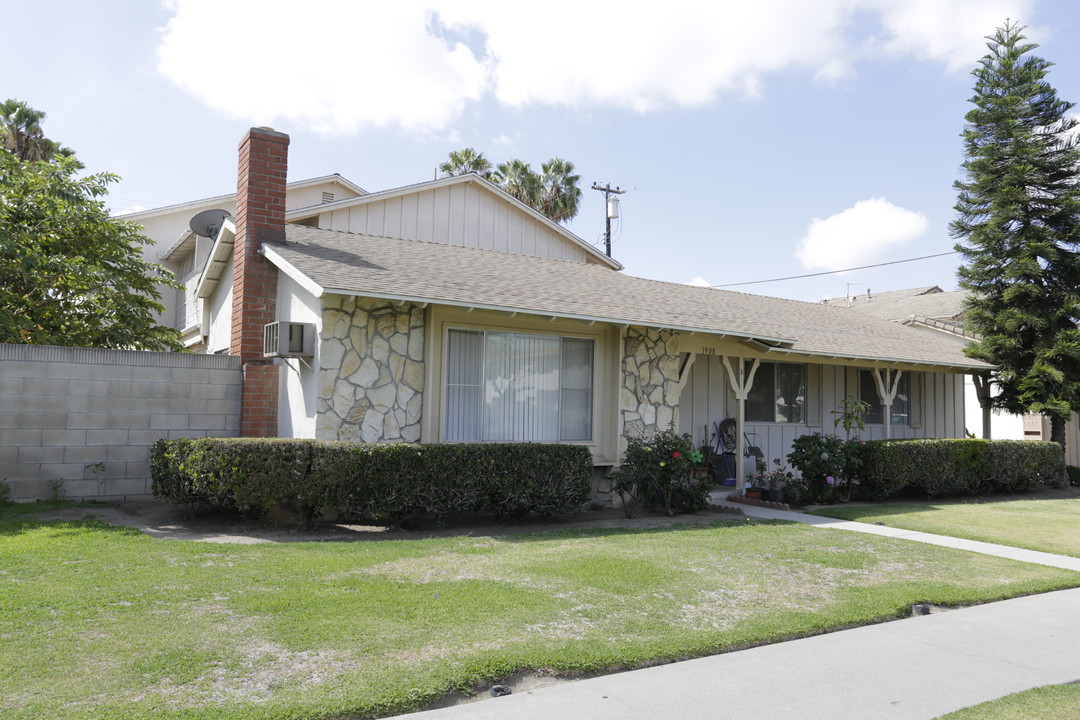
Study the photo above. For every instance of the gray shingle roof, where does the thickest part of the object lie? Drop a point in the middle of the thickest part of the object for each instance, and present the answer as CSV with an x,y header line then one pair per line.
x,y
927,302
349,263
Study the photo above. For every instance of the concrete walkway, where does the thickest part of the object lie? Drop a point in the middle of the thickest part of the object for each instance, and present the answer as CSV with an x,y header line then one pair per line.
x,y
912,669
1031,556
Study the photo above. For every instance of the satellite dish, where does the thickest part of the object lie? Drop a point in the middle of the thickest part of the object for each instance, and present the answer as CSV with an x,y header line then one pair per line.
x,y
208,222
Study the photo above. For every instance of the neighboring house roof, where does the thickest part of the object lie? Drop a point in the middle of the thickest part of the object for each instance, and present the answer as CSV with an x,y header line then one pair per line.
x,y
595,255
924,302
331,262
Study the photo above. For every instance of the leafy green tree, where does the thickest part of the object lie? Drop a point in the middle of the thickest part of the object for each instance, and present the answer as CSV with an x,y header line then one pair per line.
x,y
69,273
465,161
1017,224
21,133
554,191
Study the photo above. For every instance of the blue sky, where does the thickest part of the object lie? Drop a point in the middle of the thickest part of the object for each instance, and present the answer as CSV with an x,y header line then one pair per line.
x,y
754,142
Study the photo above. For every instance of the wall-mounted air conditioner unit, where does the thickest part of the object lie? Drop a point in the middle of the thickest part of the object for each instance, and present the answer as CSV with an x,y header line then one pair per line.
x,y
288,339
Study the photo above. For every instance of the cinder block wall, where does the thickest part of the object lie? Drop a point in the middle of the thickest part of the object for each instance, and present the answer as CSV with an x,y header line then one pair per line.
x,y
65,410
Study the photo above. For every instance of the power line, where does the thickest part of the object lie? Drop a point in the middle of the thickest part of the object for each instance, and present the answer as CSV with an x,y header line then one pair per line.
x,y
834,272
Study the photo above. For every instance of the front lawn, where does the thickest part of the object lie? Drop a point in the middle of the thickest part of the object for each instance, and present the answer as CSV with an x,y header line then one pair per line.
x,y
1048,525
100,621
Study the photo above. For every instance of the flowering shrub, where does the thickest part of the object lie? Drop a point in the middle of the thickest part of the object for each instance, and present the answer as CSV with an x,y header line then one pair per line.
x,y
772,479
827,464
658,469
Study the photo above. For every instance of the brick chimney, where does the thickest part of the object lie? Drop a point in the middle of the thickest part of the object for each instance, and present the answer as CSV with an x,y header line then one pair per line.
x,y
260,218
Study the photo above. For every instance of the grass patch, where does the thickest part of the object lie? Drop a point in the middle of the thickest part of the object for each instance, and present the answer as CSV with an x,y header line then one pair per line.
x,y
100,621
1053,702
1045,525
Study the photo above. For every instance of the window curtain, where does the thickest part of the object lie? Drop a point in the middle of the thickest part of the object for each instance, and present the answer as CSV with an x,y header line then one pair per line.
x,y
521,388
464,385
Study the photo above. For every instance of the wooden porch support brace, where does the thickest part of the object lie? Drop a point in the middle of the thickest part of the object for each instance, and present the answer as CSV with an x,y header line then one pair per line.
x,y
741,384
982,391
684,373
887,392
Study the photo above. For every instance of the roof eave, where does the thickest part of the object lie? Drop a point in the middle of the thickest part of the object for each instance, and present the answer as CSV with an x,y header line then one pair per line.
x,y
220,255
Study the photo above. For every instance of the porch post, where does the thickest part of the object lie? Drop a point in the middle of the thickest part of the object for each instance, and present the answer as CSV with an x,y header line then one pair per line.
x,y
982,391
887,392
741,384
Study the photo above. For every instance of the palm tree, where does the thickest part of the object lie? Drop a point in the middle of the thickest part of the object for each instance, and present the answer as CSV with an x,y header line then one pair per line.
x,y
22,136
464,161
554,192
517,178
559,191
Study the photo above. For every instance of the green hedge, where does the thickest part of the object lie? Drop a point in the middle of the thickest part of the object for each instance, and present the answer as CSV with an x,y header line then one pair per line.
x,y
956,466
373,481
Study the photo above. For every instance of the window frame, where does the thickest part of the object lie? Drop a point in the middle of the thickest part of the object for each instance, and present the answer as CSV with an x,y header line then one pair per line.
x,y
484,333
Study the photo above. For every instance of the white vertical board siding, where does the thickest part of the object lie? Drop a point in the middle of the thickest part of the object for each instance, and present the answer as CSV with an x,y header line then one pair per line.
x,y
392,217
410,212
487,213
702,401
441,218
706,399
376,218
425,218
1072,440
463,214
470,216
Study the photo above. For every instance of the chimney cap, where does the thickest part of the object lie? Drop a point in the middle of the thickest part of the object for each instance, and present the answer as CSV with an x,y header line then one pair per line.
x,y
265,131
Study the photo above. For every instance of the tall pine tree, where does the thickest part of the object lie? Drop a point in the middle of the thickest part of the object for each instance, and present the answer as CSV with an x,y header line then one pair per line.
x,y
1018,225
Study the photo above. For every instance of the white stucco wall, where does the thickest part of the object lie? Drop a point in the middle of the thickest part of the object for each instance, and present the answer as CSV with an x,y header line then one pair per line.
x,y
299,390
219,327
1003,425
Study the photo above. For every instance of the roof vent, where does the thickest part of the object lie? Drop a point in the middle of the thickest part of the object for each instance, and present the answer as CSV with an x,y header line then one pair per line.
x,y
288,339
327,197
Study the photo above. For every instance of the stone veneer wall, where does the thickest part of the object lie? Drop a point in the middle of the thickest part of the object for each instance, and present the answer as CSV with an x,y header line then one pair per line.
x,y
371,377
650,390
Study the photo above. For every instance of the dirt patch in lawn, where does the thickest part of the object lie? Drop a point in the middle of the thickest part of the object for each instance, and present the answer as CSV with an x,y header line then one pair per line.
x,y
176,522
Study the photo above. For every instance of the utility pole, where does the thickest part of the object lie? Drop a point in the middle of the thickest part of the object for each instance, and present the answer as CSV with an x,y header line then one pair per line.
x,y
611,210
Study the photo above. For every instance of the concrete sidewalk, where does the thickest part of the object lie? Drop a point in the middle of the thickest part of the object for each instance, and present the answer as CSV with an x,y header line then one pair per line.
x,y
1005,551
912,669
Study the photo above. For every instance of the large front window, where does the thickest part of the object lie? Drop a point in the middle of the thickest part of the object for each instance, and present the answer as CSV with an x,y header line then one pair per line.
x,y
778,394
901,406
513,387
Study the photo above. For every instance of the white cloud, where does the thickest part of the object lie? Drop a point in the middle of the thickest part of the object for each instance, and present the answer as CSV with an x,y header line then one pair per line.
x,y
952,32
700,282
338,66
333,66
860,235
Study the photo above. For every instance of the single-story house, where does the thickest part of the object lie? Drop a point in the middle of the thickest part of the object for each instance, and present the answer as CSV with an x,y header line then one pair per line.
x,y
940,312
447,311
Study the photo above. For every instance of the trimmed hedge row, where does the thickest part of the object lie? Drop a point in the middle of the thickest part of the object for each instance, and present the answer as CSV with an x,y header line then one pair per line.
x,y
956,466
373,481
